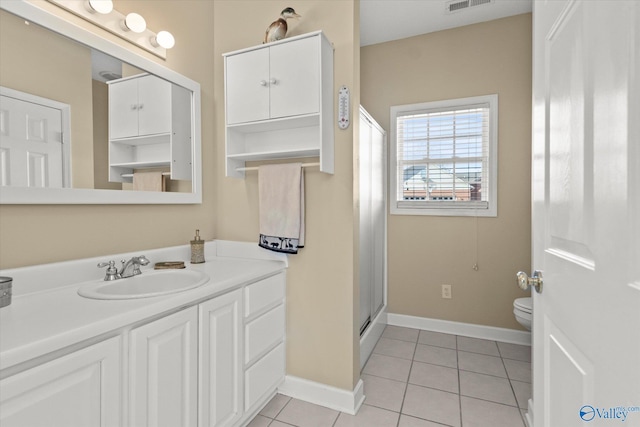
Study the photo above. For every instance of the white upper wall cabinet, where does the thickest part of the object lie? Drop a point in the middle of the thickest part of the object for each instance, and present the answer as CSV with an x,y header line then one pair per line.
x,y
149,126
274,82
279,102
139,106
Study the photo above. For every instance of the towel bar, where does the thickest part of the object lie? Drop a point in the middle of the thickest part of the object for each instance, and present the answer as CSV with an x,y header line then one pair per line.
x,y
130,175
255,168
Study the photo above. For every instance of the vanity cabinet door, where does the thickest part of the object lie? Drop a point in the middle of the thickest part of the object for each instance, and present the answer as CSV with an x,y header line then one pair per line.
x,y
163,371
220,361
80,389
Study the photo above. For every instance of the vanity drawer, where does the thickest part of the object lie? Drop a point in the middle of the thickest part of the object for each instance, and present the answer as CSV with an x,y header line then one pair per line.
x,y
263,294
264,332
263,377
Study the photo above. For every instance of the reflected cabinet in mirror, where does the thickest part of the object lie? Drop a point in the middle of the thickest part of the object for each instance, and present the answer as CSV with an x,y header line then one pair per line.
x,y
84,120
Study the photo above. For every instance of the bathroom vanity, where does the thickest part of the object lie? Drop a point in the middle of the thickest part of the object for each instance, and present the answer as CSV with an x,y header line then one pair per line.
x,y
213,355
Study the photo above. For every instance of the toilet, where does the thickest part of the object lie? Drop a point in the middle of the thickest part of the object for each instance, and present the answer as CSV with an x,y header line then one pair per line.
x,y
522,308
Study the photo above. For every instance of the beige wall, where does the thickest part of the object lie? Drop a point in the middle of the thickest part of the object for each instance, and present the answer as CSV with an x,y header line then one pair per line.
x,y
100,98
321,332
425,251
65,78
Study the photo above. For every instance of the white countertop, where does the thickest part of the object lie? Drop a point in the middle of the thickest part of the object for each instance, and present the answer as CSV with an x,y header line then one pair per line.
x,y
44,321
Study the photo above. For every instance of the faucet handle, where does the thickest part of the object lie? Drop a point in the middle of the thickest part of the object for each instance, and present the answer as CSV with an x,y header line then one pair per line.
x,y
105,264
112,271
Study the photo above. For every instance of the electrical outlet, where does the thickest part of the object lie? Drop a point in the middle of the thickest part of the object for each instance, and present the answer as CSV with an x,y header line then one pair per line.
x,y
446,291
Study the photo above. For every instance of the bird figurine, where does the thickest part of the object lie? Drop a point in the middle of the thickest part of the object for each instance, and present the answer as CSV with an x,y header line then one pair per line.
x,y
278,29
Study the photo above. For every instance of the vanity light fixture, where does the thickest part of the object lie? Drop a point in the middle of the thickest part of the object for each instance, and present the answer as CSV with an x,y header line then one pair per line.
x,y
132,27
133,22
164,39
100,6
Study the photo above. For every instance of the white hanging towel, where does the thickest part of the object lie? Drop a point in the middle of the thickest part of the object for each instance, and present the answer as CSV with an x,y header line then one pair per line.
x,y
281,198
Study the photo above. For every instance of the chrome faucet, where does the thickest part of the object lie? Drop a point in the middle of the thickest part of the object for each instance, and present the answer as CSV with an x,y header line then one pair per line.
x,y
132,267
129,268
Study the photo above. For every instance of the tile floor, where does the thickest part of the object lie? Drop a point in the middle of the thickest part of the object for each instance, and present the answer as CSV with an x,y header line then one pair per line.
x,y
426,379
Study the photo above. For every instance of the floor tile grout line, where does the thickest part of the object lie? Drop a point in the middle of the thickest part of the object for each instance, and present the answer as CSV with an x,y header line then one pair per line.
x,y
512,389
283,406
407,382
524,422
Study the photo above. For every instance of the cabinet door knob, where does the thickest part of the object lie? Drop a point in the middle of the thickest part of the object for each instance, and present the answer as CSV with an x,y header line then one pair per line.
x,y
263,82
140,107
273,81
134,106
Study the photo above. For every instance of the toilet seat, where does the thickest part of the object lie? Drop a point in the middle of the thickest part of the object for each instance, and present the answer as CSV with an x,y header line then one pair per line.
x,y
523,304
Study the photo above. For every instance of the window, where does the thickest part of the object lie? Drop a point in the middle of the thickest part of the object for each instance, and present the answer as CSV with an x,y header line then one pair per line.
x,y
444,157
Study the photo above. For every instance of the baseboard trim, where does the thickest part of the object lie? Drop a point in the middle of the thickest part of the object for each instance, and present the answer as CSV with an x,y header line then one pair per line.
x,y
528,417
324,395
458,328
371,336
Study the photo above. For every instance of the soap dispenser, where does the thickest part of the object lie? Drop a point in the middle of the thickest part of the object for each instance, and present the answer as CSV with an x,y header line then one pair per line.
x,y
197,249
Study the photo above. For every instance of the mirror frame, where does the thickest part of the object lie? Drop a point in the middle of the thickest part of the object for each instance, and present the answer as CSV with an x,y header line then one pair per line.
x,y
81,196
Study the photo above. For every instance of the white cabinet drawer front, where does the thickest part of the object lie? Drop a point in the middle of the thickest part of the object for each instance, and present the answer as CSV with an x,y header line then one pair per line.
x,y
263,377
263,294
264,332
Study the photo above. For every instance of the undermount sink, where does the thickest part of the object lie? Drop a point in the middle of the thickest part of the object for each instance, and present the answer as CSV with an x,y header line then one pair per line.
x,y
147,284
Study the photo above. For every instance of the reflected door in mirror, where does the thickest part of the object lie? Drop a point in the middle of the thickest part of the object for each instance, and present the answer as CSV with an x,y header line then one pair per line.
x,y
31,144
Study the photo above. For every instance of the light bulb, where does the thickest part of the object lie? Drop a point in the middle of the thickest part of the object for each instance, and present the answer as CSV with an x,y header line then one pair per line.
x,y
163,39
134,22
101,6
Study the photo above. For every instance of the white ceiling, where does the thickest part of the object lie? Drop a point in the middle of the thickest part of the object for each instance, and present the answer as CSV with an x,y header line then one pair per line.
x,y
386,20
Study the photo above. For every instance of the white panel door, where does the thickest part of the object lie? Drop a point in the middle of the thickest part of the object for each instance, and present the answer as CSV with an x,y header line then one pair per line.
x,y
586,216
31,144
220,401
295,78
247,86
163,371
81,389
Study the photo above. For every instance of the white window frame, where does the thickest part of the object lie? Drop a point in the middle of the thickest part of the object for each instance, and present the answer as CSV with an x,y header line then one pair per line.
x,y
444,208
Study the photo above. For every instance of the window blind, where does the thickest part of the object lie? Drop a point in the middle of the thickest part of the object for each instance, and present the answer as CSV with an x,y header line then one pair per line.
x,y
443,157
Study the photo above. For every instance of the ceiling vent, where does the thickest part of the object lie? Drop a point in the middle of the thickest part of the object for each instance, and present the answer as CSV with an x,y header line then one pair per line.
x,y
109,75
458,5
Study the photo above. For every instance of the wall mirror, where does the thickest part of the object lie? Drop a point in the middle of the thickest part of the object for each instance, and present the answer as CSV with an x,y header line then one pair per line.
x,y
62,83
